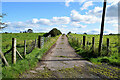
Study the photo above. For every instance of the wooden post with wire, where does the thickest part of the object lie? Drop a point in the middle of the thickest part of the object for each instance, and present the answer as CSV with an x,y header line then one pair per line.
x,y
83,41
14,50
39,41
93,43
108,45
35,43
24,48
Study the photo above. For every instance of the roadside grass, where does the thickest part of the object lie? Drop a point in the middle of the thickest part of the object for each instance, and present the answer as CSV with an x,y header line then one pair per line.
x,y
112,58
30,61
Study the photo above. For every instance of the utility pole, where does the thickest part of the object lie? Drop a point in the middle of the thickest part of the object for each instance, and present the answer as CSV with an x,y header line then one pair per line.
x,y
102,26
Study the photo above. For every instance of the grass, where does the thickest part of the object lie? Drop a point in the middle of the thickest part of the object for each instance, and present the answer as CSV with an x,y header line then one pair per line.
x,y
112,57
62,56
30,60
105,71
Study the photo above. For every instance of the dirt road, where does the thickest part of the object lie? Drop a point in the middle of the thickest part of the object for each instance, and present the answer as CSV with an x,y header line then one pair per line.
x,y
61,62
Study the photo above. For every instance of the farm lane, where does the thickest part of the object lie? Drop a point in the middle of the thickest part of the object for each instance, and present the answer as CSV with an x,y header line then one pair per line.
x,y
60,59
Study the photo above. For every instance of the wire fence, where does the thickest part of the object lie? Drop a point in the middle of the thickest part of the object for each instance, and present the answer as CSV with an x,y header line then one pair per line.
x,y
18,52
89,43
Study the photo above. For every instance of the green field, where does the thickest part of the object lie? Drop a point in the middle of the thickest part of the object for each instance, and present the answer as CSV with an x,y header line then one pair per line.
x,y
7,39
112,57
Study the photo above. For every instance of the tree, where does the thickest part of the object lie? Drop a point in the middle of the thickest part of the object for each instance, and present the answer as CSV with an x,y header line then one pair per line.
x,y
110,34
69,33
2,24
30,31
54,32
85,33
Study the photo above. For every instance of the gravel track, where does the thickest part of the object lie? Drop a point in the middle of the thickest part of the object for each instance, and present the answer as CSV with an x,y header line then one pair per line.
x,y
61,62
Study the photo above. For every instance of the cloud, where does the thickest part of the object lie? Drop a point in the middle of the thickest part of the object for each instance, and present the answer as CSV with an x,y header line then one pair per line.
x,y
67,2
115,25
76,24
35,20
53,21
111,11
37,24
97,31
93,31
76,17
63,26
111,20
44,22
86,5
97,11
60,20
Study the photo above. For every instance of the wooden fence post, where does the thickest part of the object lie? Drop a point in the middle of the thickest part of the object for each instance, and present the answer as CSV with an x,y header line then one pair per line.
x,y
93,43
35,43
19,54
107,45
87,43
14,50
45,39
2,55
24,47
72,39
39,41
83,41
42,42
77,41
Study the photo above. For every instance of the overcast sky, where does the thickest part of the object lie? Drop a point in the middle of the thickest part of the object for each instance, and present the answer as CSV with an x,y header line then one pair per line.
x,y
77,17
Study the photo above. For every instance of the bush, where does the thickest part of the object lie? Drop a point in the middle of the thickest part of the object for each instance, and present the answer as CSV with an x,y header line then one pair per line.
x,y
54,32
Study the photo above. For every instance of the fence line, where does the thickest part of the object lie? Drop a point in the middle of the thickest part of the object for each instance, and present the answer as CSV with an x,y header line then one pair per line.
x,y
30,47
83,42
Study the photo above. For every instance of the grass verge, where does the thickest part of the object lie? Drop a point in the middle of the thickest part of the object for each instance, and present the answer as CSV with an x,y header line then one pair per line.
x,y
29,62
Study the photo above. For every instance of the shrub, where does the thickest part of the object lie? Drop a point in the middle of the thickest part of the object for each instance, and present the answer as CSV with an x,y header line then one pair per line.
x,y
54,32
